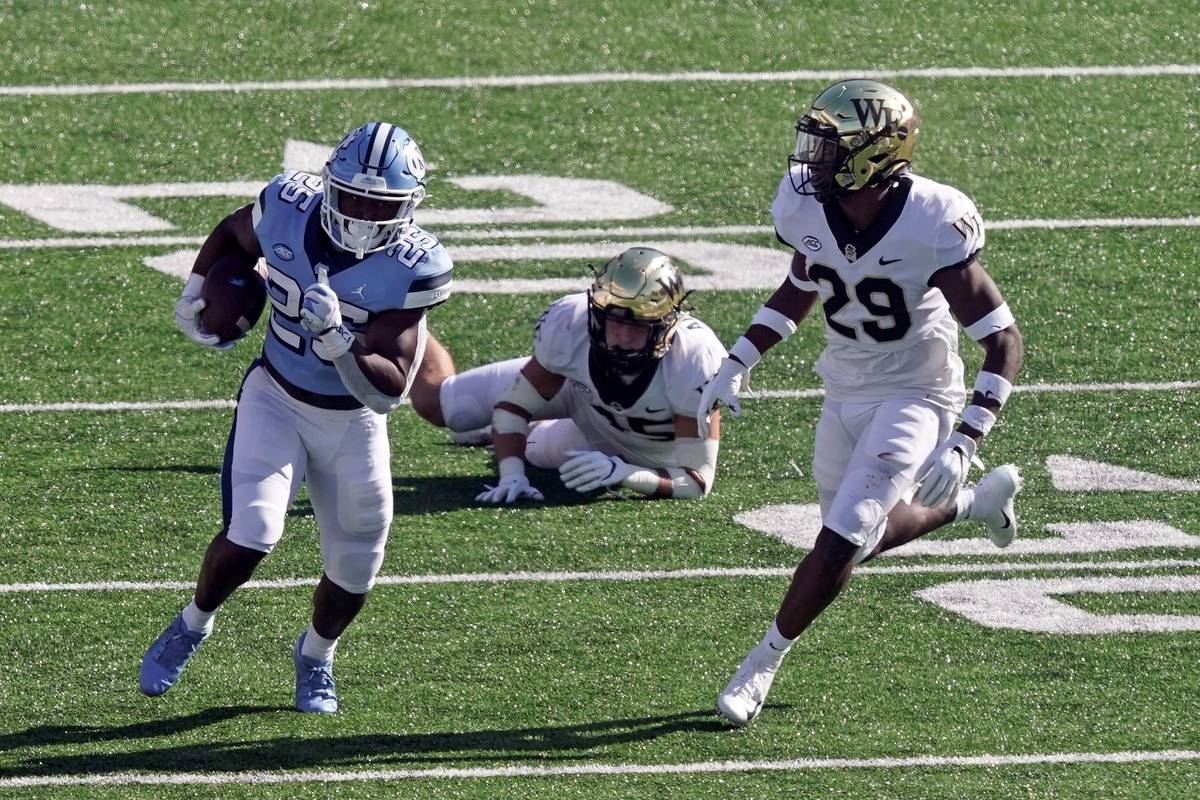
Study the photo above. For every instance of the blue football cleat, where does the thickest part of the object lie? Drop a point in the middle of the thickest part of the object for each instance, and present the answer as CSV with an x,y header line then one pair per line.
x,y
315,689
164,661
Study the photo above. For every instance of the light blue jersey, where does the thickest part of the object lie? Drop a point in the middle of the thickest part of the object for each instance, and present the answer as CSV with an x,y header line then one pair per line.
x,y
416,272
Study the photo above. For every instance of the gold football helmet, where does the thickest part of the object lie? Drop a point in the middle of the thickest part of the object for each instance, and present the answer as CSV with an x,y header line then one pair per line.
x,y
857,133
641,286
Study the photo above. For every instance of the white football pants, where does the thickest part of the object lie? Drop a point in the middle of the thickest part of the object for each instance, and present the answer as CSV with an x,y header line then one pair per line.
x,y
276,443
865,460
467,400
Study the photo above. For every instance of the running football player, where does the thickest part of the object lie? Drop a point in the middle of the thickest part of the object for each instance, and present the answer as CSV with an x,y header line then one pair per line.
x,y
893,259
609,397
350,277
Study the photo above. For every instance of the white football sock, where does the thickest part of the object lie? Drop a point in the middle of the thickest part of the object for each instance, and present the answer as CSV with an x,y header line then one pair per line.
x,y
198,621
966,498
317,647
773,647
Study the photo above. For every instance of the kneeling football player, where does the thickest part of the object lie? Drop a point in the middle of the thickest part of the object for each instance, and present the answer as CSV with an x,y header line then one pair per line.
x,y
608,398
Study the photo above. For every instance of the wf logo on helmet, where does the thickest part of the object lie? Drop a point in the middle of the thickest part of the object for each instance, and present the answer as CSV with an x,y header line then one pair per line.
x,y
873,108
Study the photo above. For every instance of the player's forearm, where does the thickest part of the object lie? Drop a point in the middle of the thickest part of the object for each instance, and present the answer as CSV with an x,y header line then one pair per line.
x,y
775,322
692,478
508,445
388,375
374,386
1005,351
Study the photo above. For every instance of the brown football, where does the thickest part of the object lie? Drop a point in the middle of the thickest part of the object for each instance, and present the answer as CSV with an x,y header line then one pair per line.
x,y
234,297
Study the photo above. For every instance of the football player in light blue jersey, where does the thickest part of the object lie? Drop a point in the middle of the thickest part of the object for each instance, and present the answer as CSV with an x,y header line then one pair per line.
x,y
349,278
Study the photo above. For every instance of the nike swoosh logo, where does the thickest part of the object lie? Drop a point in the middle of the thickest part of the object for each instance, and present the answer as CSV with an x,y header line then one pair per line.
x,y
1007,524
773,647
655,410
885,261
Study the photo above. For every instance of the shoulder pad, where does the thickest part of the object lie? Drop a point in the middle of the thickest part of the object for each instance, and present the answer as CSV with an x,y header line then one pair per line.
x,y
694,358
433,280
559,332
960,232
784,210
294,190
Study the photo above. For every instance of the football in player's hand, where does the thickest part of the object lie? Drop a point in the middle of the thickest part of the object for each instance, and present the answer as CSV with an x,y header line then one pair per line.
x,y
234,297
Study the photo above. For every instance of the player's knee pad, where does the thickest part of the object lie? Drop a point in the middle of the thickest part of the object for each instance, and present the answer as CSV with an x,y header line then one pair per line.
x,y
256,527
467,399
539,449
461,410
858,513
353,568
549,441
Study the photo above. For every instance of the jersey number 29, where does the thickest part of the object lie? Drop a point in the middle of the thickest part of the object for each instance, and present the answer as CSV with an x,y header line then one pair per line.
x,y
880,296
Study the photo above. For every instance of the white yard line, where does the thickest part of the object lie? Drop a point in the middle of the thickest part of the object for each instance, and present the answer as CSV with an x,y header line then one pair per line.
x,y
69,242
764,394
578,770
589,78
166,405
1031,388
621,576
602,233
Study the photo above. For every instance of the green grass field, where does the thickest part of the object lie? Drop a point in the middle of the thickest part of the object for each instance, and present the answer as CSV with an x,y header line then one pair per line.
x,y
478,669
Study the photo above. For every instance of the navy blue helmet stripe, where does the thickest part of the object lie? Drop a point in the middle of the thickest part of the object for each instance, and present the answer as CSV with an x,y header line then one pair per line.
x,y
387,144
365,157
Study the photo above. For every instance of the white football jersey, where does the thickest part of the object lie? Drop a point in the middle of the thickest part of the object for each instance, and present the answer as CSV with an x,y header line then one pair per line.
x,y
635,421
888,332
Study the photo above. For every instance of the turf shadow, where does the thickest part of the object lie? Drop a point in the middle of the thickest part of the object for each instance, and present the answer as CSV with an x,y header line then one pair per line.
x,y
194,469
417,496
235,754
52,735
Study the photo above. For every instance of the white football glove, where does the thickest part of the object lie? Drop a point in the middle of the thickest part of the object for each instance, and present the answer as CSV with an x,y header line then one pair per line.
x,y
319,309
509,491
943,473
321,315
586,470
187,315
721,390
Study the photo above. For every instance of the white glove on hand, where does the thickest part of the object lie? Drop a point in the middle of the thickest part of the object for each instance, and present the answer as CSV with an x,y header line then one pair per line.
x,y
187,315
943,473
320,314
319,309
721,390
586,470
509,491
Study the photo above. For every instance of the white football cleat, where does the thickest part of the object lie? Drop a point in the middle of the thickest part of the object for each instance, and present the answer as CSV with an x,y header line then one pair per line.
x,y
743,697
993,504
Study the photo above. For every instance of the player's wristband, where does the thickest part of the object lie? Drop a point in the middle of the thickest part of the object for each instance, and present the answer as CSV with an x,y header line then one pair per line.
x,y
336,341
979,418
993,387
745,353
